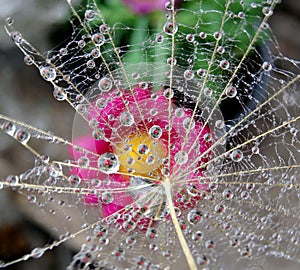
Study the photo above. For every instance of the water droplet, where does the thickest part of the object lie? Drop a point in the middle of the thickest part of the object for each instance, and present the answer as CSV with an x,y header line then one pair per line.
x,y
209,244
241,15
63,51
150,160
81,109
81,44
190,38
107,197
159,38
37,252
101,103
167,253
228,194
151,233
165,172
108,163
28,60
219,208
130,240
59,94
100,231
95,182
98,134
22,136
168,5
188,122
236,155
154,96
12,180
224,64
179,112
246,251
208,137
9,21
104,28
168,93
83,161
155,132
89,14
105,84
170,28
202,35
95,53
130,161
220,50
194,216
90,64
267,11
93,123
202,260
9,128
181,157
16,36
126,119
188,74
245,195
220,124
171,61
135,75
207,92
266,66
143,149
129,225
74,180
48,73
98,39
197,236
218,35
31,198
143,85
154,111
153,247
255,150
141,261
231,91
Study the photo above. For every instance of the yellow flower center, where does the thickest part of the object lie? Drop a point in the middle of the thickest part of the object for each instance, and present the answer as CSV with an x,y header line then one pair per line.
x,y
140,154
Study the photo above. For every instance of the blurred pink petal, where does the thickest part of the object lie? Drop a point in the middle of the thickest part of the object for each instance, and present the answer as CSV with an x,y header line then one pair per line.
x,y
145,6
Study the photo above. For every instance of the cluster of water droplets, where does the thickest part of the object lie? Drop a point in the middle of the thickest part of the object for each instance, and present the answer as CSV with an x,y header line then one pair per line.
x,y
216,121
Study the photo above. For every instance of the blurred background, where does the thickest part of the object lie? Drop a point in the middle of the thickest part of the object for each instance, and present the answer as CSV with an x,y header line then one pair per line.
x,y
26,97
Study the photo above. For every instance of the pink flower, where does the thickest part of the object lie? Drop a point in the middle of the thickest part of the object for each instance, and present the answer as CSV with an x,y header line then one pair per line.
x,y
139,126
145,6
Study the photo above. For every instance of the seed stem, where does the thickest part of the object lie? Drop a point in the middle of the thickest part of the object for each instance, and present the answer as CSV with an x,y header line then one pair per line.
x,y
188,255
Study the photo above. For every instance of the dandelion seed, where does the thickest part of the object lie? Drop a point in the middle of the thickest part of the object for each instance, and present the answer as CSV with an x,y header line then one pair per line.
x,y
184,147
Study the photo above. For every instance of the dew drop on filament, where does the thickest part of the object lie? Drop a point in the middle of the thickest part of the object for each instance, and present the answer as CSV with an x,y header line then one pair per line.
x,y
108,163
48,73
170,28
22,136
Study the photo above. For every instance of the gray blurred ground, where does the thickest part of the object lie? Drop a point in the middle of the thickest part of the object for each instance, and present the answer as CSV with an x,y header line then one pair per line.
x,y
25,96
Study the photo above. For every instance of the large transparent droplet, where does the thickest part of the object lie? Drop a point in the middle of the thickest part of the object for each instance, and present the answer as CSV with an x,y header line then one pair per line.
x,y
155,132
48,73
170,28
98,39
236,155
108,163
126,119
105,84
181,157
